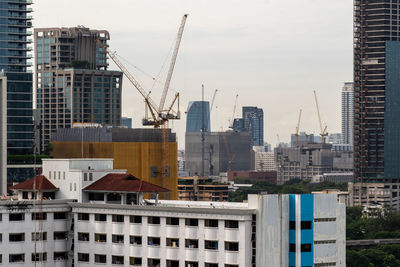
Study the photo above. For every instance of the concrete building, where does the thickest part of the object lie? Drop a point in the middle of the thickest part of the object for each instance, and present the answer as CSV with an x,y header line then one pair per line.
x,y
334,138
252,121
309,159
303,137
126,122
224,151
269,230
198,117
264,161
14,64
73,84
3,134
348,113
335,177
139,151
197,188
253,176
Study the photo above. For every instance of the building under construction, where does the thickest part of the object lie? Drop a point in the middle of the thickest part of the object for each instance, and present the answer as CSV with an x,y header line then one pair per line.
x,y
223,151
139,151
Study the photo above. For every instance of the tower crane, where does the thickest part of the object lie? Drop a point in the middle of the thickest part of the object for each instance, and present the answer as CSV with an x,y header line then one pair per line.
x,y
234,110
159,115
323,131
298,127
213,99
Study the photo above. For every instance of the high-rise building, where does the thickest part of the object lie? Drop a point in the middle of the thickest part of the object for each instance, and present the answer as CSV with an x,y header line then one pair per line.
x,y
252,121
376,97
73,84
126,122
347,113
14,62
198,117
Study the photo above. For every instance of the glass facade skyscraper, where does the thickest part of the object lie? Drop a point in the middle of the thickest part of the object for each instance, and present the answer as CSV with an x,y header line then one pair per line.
x,y
198,117
347,113
15,22
252,121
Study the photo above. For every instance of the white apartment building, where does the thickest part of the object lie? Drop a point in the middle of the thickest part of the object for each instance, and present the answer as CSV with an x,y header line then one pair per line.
x,y
269,230
265,161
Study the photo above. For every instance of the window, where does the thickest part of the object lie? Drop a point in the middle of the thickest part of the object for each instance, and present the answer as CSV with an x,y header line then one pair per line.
x,y
85,176
83,216
39,256
1,217
16,258
118,218
59,175
232,246
135,240
292,225
64,175
171,263
117,260
153,220
83,257
100,258
100,238
153,241
60,215
210,264
305,247
172,242
191,222
135,261
83,236
96,196
1,237
39,236
305,225
172,221
191,264
231,224
61,256
100,217
118,239
231,265
324,219
60,235
211,244
39,216
16,237
323,264
135,219
191,243
292,247
211,223
318,242
153,262
90,176
74,186
16,217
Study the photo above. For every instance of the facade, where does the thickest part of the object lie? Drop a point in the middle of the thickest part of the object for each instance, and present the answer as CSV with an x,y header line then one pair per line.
x,y
335,177
201,189
139,151
3,134
224,151
347,113
303,137
198,117
307,160
73,84
253,176
126,122
334,138
252,121
14,64
264,161
269,230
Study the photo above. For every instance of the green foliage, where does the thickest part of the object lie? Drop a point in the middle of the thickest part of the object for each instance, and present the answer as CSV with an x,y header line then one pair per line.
x,y
380,256
294,186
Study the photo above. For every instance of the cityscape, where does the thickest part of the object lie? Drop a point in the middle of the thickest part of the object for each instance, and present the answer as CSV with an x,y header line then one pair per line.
x,y
194,133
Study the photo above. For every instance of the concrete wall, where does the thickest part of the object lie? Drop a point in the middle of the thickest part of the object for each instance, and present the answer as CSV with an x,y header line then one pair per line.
x,y
3,134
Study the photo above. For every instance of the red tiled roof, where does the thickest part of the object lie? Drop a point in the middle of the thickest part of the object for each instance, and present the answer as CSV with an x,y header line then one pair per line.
x,y
121,182
42,183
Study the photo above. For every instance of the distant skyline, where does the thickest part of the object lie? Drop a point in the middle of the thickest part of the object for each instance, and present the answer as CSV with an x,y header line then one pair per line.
x,y
273,53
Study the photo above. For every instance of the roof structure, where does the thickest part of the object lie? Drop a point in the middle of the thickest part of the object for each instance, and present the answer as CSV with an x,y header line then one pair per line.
x,y
119,182
39,182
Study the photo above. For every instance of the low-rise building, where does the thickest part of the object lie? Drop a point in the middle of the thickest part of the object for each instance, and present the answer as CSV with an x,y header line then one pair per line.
x,y
202,189
253,176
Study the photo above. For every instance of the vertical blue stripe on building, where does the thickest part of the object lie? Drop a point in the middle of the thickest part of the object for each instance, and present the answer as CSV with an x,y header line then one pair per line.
x,y
292,233
307,235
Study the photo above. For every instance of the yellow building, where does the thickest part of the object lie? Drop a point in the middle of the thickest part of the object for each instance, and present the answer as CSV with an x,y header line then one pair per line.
x,y
141,159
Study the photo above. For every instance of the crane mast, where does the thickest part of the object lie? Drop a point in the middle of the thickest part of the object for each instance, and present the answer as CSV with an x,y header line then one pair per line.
x,y
298,127
323,130
213,99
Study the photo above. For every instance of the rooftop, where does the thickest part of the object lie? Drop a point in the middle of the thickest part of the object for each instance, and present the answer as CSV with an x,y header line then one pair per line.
x,y
39,182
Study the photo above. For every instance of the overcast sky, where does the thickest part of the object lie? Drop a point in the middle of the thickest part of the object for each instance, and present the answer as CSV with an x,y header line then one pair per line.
x,y
273,53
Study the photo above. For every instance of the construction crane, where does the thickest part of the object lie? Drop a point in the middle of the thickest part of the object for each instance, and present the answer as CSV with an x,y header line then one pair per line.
x,y
228,154
298,127
234,110
323,131
213,99
159,116
279,140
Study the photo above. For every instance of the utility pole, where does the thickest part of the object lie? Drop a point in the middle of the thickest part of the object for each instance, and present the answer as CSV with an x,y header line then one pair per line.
x,y
202,130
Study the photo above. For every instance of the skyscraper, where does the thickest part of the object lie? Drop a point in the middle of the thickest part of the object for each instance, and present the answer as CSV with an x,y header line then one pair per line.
x,y
347,113
15,38
73,84
376,100
198,117
252,121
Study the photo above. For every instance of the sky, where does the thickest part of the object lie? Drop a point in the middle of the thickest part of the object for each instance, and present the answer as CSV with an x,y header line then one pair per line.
x,y
272,53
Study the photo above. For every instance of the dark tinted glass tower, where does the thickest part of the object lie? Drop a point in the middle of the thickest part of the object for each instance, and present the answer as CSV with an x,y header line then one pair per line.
x,y
376,90
252,121
195,119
